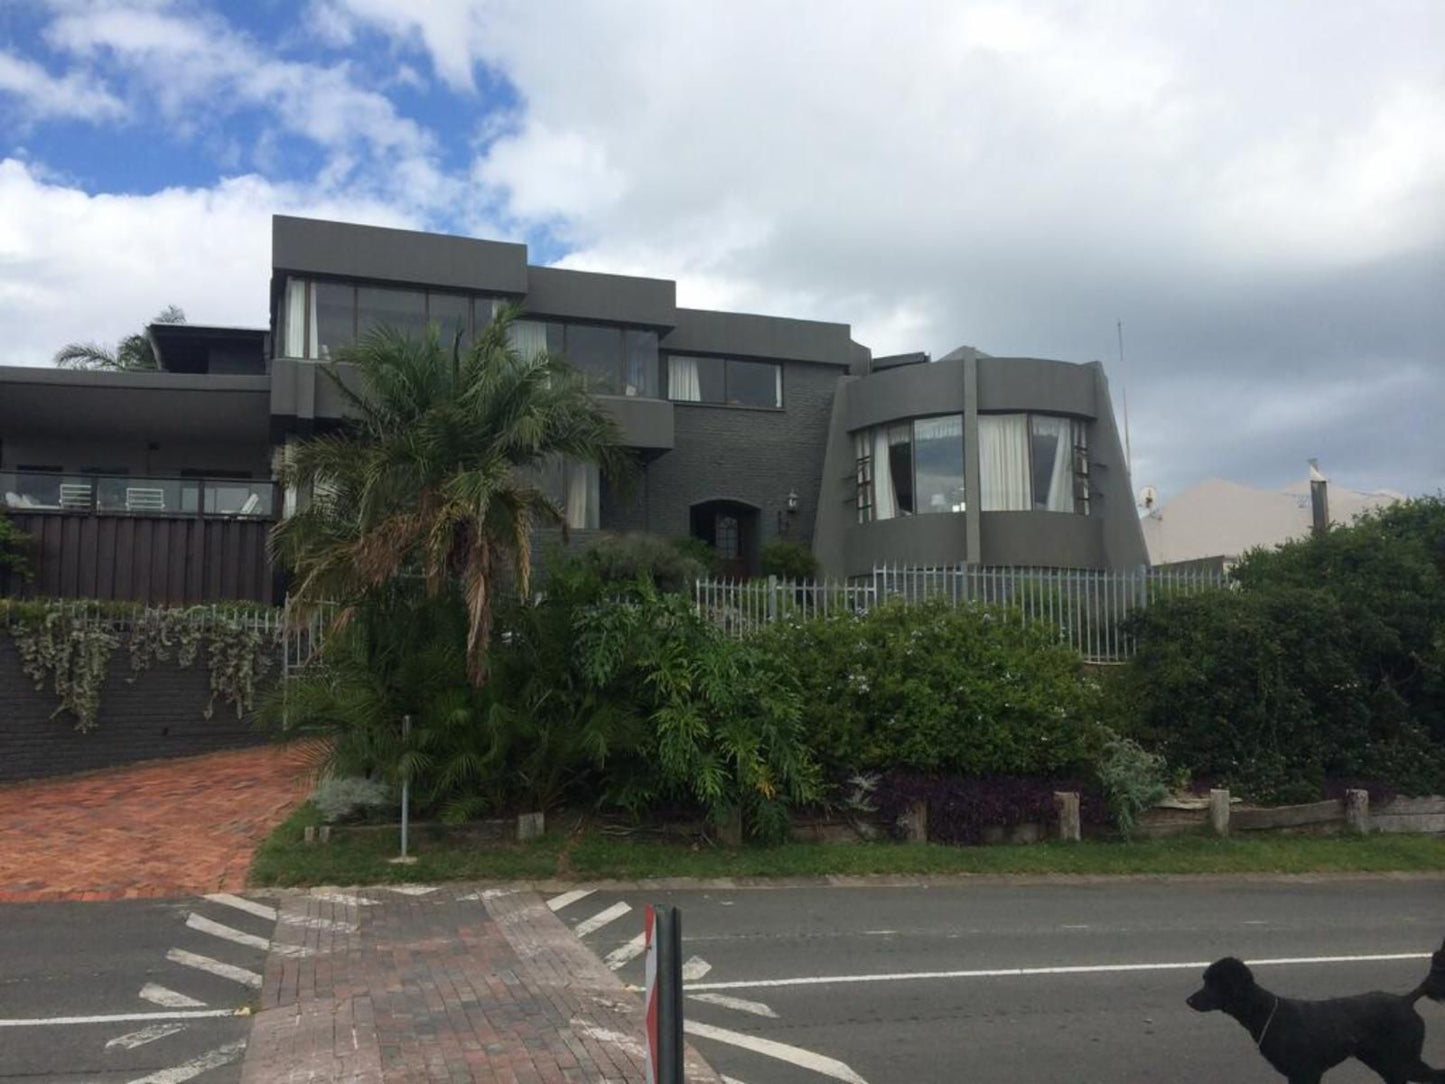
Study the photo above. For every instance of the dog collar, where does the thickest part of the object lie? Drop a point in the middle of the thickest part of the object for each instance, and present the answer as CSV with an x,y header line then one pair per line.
x,y
1258,1043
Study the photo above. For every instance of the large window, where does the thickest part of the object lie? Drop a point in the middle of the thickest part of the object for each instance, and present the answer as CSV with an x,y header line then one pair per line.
x,y
577,490
1032,462
324,316
617,361
732,381
910,468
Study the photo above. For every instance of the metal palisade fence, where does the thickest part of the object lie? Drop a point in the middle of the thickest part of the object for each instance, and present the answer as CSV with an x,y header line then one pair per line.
x,y
1087,606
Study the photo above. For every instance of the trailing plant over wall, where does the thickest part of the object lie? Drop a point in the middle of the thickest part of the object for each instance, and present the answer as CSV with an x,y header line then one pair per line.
x,y
62,646
69,644
14,549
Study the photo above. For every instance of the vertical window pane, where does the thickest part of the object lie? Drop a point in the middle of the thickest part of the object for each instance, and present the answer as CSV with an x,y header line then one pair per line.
x,y
403,311
640,353
694,380
754,383
1051,452
528,338
863,453
900,467
294,345
449,312
334,323
1003,462
483,309
938,451
728,537
583,496
597,351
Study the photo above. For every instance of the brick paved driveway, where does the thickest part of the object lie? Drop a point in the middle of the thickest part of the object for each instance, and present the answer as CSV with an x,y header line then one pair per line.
x,y
167,828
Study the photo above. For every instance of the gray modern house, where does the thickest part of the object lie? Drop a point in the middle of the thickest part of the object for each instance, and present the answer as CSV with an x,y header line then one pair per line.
x,y
746,428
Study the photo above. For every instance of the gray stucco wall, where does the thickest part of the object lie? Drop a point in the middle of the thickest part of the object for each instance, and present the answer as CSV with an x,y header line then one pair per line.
x,y
316,247
736,453
168,459
1108,537
586,295
740,334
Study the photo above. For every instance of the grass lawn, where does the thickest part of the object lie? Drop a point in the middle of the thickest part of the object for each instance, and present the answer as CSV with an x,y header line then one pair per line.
x,y
361,858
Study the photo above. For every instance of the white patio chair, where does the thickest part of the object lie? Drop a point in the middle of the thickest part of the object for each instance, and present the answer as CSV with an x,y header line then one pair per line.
x,y
144,499
75,496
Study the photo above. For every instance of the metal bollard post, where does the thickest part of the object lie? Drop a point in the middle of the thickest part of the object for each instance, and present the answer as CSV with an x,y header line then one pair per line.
x,y
663,999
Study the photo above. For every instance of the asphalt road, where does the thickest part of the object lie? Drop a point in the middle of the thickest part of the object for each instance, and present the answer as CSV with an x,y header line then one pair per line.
x,y
849,975
69,971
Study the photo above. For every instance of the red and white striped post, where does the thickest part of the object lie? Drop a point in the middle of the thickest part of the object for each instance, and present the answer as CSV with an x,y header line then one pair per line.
x,y
649,940
662,939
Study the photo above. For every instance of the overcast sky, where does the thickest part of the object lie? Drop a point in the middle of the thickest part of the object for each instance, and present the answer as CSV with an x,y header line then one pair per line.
x,y
1256,189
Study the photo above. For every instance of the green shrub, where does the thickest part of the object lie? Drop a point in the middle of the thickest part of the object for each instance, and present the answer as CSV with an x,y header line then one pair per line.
x,y
933,687
1133,780
15,546
700,551
1263,689
788,560
626,558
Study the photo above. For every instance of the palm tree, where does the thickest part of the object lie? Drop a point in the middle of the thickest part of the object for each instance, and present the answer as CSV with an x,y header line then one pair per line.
x,y
134,352
435,479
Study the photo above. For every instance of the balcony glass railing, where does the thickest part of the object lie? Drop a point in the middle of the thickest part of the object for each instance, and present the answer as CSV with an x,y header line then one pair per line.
x,y
114,494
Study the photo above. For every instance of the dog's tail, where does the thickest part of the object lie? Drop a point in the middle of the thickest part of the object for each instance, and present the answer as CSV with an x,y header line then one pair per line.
x,y
1434,985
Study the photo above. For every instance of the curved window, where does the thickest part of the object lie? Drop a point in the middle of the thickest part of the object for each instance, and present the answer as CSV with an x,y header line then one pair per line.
x,y
910,468
1032,462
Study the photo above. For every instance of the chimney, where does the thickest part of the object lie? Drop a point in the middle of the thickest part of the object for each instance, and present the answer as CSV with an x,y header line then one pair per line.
x,y
1319,498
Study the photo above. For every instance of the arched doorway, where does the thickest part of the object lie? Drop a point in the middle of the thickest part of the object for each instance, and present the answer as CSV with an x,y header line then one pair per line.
x,y
731,528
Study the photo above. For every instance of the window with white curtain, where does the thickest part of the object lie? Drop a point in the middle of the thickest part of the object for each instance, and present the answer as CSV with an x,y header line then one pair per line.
x,y
730,381
576,489
323,316
1003,463
1032,462
910,468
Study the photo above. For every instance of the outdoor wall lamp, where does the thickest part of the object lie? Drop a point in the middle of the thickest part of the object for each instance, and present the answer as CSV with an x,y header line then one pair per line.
x,y
792,501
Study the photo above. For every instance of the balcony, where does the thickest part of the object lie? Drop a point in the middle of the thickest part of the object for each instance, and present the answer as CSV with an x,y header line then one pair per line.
x,y
130,495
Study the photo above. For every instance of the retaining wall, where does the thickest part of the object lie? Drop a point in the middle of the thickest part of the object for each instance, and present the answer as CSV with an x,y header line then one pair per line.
x,y
160,714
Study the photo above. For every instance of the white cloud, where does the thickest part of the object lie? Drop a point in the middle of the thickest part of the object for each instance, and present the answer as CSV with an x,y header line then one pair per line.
x,y
198,70
75,266
42,96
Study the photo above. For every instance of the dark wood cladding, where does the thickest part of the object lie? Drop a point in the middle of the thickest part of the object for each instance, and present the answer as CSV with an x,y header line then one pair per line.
x,y
159,560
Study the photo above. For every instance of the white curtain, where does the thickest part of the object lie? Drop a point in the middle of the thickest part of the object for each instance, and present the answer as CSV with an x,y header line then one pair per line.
x,y
1003,462
295,345
885,500
528,338
583,496
1060,497
683,383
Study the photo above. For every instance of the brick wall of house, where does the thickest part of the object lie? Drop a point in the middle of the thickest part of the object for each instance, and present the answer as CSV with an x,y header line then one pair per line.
x,y
755,456
159,715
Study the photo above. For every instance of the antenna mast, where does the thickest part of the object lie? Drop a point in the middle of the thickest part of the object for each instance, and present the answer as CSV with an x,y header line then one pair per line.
x,y
1124,389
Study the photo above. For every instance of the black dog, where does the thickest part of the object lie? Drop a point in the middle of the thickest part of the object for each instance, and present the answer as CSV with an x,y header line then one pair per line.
x,y
1303,1039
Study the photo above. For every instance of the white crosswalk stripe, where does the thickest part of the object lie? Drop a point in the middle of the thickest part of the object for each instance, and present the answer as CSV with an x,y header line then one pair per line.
x,y
793,1055
215,967
144,1035
212,1059
619,957
601,918
227,933
161,995
251,907
694,968
740,1004
556,903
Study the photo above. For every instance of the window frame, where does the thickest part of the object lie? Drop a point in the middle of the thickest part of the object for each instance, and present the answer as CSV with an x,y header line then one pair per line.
x,y
726,360
865,469
308,304
621,363
1078,451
